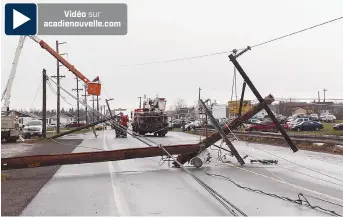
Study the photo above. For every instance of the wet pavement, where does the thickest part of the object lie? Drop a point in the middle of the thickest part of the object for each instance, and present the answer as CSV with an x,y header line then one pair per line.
x,y
144,187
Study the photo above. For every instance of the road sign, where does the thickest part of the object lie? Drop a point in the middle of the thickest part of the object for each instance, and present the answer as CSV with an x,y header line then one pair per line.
x,y
20,19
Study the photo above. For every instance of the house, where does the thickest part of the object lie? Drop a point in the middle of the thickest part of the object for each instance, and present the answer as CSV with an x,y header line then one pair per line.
x,y
299,110
187,113
64,119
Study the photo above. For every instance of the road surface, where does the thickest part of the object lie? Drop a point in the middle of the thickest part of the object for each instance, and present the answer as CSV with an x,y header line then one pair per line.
x,y
142,187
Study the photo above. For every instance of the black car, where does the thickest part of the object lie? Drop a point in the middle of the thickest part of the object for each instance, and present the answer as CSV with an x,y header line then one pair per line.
x,y
338,126
308,126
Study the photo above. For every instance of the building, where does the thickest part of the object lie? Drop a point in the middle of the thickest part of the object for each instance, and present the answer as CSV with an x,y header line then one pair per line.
x,y
299,110
290,108
64,119
186,113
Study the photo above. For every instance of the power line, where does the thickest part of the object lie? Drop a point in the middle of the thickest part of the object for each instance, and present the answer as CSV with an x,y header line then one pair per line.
x,y
180,59
293,33
225,52
302,200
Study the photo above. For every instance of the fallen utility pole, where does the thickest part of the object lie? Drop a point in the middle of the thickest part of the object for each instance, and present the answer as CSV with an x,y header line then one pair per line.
x,y
77,129
92,157
261,100
222,133
215,137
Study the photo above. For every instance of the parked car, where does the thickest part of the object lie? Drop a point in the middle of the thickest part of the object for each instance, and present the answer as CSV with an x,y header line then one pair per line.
x,y
177,123
265,126
314,117
33,128
75,124
338,126
329,118
307,126
193,125
296,121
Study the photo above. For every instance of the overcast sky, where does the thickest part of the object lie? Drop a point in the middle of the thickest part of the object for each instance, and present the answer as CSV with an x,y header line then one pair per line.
x,y
298,66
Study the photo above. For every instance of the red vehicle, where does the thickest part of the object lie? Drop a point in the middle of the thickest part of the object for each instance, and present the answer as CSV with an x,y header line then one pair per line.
x,y
123,120
74,125
265,126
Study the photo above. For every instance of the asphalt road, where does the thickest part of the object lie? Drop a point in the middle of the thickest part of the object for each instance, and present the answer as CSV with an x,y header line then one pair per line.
x,y
143,187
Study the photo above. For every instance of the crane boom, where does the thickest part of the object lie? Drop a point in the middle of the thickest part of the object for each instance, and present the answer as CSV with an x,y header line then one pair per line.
x,y
69,66
94,88
6,95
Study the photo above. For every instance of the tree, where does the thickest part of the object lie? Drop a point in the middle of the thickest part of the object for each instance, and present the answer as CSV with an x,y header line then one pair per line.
x,y
179,103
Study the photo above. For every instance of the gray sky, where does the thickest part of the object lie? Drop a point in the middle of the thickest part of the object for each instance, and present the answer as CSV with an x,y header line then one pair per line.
x,y
297,66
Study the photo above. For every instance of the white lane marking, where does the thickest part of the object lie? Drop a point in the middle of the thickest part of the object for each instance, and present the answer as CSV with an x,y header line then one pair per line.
x,y
118,199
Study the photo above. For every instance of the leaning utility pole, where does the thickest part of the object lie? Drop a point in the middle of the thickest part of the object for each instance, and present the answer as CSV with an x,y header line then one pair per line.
x,y
58,76
93,108
77,98
97,106
44,105
324,90
108,107
85,95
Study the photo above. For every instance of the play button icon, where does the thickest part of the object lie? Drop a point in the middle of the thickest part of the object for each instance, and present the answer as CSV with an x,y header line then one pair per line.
x,y
20,19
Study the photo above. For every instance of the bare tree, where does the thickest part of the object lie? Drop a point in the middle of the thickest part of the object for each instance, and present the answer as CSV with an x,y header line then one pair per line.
x,y
179,103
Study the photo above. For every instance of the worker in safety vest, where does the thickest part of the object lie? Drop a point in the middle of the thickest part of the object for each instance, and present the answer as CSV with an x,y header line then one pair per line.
x,y
124,120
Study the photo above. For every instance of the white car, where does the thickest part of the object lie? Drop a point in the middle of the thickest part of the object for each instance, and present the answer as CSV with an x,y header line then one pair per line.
x,y
297,121
33,128
329,118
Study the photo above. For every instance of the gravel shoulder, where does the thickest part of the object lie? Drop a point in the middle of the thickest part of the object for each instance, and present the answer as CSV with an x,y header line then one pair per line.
x,y
22,185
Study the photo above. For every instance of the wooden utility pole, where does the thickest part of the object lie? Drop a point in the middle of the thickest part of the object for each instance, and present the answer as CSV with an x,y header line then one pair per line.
x,y
140,101
77,99
58,76
324,90
199,92
97,106
318,97
93,108
85,100
44,104
108,107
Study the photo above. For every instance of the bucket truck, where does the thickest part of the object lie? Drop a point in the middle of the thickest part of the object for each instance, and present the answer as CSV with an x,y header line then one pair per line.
x,y
9,120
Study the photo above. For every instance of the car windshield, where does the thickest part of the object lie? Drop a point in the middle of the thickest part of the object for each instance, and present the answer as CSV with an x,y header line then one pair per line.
x,y
34,123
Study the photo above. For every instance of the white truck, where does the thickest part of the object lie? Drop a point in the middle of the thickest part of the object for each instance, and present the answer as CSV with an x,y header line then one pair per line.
x,y
9,121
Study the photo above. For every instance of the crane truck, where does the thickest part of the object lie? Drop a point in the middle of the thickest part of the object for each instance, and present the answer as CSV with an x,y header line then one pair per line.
x,y
9,121
151,118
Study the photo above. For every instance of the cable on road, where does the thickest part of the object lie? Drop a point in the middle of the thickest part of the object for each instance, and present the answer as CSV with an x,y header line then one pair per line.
x,y
302,200
283,158
292,185
226,52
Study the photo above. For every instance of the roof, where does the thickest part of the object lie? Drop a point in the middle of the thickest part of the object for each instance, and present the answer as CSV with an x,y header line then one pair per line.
x,y
27,114
298,108
63,116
